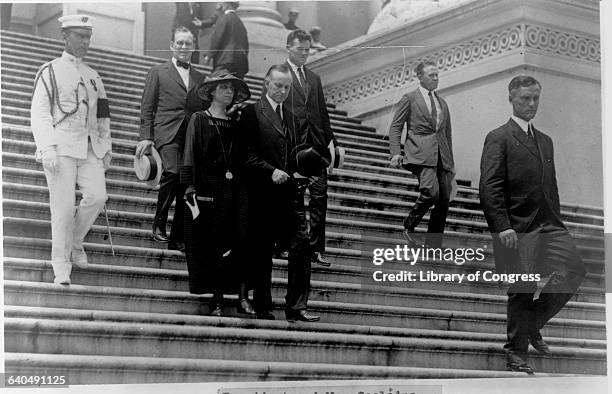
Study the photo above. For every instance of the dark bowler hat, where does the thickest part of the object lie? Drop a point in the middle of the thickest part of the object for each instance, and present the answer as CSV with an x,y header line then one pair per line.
x,y
241,90
309,161
148,167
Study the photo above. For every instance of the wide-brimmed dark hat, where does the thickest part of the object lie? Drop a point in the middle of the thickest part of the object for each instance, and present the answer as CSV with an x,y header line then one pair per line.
x,y
241,90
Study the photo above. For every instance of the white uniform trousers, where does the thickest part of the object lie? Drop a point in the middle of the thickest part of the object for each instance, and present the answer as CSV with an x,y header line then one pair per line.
x,y
69,228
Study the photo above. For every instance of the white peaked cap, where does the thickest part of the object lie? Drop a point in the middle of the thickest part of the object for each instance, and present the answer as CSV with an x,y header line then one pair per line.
x,y
83,21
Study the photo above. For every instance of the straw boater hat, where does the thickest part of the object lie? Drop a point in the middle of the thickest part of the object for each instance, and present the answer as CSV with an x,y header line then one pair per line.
x,y
337,158
241,90
148,167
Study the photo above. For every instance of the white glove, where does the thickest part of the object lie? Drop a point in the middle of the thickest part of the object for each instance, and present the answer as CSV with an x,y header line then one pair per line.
x,y
106,160
49,160
142,147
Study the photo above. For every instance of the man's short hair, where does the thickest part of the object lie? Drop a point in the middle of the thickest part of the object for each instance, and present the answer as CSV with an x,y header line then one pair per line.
x,y
522,81
283,68
300,34
233,4
421,66
181,29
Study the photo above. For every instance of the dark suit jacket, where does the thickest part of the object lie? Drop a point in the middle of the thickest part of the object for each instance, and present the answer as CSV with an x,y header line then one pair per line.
x,y
229,43
186,13
310,108
268,146
517,182
423,140
164,104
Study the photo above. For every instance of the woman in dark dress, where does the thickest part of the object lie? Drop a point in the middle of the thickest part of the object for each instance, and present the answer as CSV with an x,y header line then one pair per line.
x,y
214,155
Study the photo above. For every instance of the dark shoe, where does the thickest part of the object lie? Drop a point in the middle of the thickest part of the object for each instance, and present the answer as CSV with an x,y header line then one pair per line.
x,y
317,258
266,315
300,315
538,344
409,237
159,234
217,311
245,308
517,364
176,245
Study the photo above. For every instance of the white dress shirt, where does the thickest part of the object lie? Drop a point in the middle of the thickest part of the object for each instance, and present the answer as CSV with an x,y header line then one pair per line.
x,y
524,125
425,94
274,104
295,70
183,72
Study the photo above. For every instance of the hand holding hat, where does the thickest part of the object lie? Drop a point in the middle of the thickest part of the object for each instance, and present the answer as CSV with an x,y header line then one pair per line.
x,y
142,147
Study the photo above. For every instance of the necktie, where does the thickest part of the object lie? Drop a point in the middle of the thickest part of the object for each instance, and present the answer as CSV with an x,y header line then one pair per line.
x,y
530,131
183,64
278,112
302,79
434,111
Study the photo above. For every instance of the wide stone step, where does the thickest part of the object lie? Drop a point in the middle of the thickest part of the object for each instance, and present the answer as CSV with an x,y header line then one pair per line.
x,y
590,248
15,139
465,232
34,193
131,121
10,37
37,294
19,76
347,267
321,328
123,370
167,340
130,107
325,286
350,191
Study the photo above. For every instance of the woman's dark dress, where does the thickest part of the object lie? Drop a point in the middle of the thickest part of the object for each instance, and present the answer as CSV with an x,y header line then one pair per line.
x,y
222,223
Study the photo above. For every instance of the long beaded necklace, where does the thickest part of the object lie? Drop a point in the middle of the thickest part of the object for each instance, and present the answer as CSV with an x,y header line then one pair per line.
x,y
226,157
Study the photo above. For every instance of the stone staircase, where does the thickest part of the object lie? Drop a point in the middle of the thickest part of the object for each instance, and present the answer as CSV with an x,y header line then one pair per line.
x,y
129,318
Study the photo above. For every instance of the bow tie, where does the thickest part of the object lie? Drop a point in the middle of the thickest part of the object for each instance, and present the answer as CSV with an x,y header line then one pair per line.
x,y
183,64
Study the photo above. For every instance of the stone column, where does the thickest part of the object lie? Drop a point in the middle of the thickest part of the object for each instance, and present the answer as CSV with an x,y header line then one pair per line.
x,y
267,35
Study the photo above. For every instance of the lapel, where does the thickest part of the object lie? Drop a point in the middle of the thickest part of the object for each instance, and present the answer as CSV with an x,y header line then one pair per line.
x,y
268,112
423,108
296,82
521,137
193,76
443,110
173,73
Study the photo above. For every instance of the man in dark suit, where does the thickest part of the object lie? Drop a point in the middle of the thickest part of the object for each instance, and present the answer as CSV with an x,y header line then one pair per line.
x,y
189,15
276,200
307,102
428,152
519,196
229,44
163,120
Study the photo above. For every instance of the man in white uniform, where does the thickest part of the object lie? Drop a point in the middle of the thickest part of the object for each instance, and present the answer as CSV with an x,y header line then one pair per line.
x,y
70,121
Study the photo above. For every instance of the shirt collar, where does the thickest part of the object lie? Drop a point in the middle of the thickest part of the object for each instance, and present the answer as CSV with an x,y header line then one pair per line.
x,y
228,11
294,67
273,103
523,124
177,67
71,58
425,92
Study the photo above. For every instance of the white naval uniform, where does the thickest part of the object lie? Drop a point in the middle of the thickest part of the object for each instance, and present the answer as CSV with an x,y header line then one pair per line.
x,y
81,140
